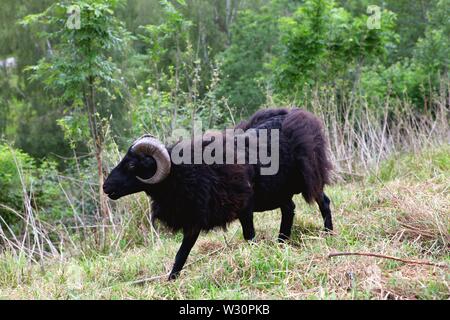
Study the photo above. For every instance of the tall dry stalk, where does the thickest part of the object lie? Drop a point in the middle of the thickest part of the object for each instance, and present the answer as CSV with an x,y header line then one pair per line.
x,y
361,135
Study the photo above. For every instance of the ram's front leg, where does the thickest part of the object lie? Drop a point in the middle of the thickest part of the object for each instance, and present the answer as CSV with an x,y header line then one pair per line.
x,y
189,239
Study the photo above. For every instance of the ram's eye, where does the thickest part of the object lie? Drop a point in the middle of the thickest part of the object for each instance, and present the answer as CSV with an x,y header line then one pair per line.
x,y
131,166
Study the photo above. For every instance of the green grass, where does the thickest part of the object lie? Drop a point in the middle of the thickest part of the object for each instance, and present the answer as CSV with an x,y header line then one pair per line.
x,y
403,211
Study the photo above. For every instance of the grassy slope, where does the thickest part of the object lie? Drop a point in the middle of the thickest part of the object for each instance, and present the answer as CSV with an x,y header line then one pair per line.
x,y
404,212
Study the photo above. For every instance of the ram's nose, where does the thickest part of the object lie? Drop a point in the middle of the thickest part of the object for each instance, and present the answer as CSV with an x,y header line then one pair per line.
x,y
107,187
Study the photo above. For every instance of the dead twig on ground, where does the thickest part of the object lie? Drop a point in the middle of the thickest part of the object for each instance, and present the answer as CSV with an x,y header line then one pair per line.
x,y
377,255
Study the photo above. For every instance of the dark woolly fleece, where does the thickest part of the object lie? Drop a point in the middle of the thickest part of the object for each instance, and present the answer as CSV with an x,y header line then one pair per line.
x,y
208,196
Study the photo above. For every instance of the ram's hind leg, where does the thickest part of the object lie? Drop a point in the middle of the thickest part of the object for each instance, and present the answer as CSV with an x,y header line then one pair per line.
x,y
246,219
287,218
324,206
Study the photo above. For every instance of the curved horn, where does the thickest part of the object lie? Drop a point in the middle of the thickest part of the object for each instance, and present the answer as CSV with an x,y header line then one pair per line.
x,y
151,146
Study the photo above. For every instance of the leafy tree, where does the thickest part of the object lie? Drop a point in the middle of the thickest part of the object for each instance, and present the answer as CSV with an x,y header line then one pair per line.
x,y
26,117
81,69
323,44
433,49
245,76
411,24
418,77
411,21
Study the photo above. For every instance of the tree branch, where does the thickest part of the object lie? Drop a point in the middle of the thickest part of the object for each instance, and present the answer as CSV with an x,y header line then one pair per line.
x,y
368,254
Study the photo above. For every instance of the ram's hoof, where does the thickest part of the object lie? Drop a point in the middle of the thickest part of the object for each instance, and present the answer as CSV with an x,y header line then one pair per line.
x,y
173,276
282,238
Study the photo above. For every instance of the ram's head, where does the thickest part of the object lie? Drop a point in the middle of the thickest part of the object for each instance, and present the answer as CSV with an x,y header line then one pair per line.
x,y
147,162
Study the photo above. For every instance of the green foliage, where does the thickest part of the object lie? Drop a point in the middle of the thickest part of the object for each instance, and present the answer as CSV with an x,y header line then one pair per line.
x,y
174,94
19,173
433,49
418,77
403,79
167,47
11,192
323,44
305,47
26,117
266,52
245,75
81,69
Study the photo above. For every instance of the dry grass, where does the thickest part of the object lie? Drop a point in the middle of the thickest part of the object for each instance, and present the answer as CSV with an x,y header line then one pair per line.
x,y
361,135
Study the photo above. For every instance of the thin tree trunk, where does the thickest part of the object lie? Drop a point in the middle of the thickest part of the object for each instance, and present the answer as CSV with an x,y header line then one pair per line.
x,y
227,20
230,13
97,137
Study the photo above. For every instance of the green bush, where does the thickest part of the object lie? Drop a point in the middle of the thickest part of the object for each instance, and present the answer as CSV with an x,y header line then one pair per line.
x,y
18,171
48,196
11,193
405,79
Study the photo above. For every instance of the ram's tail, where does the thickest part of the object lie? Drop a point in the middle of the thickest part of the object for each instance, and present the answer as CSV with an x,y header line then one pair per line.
x,y
309,148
